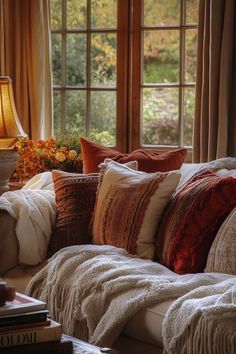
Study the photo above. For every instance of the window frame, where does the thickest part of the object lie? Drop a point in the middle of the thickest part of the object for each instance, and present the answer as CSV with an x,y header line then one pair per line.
x,y
121,87
129,73
137,85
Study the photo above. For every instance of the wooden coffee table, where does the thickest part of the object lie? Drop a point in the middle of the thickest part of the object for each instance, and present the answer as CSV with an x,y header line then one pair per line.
x,y
81,347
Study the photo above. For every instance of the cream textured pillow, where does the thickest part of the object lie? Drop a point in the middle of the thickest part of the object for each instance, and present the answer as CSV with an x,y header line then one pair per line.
x,y
129,205
222,254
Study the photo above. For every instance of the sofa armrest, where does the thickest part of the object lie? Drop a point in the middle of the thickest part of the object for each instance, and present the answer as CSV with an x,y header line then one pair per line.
x,y
9,247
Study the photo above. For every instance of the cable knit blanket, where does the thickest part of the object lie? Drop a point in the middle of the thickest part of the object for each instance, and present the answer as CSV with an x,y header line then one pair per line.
x,y
35,213
94,290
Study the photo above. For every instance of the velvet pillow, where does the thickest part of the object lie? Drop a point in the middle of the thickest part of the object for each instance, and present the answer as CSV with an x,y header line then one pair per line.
x,y
94,154
222,255
75,198
129,205
192,220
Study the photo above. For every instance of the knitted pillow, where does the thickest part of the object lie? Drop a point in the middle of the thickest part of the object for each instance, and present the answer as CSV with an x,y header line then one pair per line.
x,y
75,198
129,205
94,154
222,255
192,220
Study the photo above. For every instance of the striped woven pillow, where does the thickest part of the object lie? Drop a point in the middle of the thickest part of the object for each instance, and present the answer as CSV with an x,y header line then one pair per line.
x,y
129,205
192,220
75,199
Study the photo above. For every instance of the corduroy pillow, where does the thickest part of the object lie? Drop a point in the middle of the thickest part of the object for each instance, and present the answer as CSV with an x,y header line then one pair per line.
x,y
192,220
94,154
129,205
75,198
222,255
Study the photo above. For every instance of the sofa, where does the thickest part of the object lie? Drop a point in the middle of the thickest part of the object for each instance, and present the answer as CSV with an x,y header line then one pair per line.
x,y
212,263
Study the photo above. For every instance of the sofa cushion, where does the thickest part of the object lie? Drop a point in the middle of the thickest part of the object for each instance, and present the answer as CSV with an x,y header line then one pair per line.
x,y
75,199
146,325
8,242
20,275
148,161
222,254
192,220
129,205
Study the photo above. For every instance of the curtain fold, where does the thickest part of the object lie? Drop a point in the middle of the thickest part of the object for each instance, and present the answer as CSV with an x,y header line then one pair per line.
x,y
215,114
26,58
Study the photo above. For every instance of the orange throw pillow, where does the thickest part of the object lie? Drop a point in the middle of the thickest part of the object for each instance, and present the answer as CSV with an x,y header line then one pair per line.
x,y
129,205
94,154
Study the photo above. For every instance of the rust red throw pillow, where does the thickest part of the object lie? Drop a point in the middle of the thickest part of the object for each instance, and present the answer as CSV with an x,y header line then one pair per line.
x,y
94,154
75,198
192,220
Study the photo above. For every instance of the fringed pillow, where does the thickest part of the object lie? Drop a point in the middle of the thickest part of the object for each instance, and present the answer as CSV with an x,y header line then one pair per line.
x,y
129,205
192,220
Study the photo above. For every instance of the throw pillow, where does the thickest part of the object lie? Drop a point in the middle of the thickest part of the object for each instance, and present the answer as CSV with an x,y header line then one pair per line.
x,y
222,255
192,220
94,154
75,198
129,205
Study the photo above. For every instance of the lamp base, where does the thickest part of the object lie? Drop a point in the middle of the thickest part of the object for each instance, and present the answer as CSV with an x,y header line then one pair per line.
x,y
8,158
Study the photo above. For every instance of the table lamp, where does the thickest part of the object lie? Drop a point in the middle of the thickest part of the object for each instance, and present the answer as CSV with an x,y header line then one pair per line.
x,y
10,131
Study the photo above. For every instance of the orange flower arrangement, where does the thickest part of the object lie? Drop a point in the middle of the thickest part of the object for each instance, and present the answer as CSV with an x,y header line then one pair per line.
x,y
44,156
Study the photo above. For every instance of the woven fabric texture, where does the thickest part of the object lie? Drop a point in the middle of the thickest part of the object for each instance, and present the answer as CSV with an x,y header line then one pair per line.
x,y
75,198
192,220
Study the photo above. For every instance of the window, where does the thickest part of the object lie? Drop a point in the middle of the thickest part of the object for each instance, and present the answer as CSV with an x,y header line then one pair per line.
x,y
124,71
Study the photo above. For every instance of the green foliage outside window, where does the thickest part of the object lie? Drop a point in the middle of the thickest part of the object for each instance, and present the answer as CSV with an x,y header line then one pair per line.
x,y
161,65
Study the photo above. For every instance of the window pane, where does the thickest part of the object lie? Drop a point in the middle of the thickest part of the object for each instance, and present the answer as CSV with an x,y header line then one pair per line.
x,y
57,112
161,56
56,58
75,112
190,55
76,13
191,11
76,59
189,108
159,12
103,13
103,59
56,17
103,116
160,116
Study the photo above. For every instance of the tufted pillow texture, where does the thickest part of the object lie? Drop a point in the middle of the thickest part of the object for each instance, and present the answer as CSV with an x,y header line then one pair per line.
x,y
129,205
75,198
94,154
192,220
222,255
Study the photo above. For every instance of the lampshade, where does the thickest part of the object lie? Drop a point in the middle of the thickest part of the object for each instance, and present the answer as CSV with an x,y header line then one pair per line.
x,y
10,130
10,127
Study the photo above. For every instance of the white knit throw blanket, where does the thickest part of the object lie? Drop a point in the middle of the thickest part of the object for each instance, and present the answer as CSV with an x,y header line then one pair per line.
x,y
94,290
35,214
203,321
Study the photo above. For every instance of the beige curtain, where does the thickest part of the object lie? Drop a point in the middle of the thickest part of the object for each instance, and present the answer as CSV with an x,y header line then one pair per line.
x,y
215,119
25,57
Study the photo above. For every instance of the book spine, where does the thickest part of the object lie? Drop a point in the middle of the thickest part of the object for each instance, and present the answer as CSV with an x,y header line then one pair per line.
x,y
64,347
24,318
30,336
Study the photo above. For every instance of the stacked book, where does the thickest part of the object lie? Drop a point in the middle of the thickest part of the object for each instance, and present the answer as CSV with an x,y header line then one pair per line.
x,y
26,327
